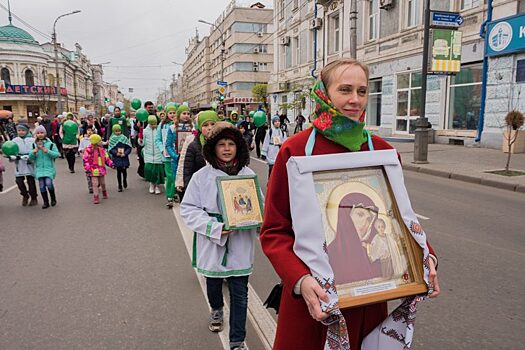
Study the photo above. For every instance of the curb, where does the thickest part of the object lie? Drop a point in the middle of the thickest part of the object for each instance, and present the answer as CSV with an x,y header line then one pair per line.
x,y
466,178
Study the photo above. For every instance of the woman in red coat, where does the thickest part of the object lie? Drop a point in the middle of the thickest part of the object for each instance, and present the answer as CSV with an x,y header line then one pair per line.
x,y
341,96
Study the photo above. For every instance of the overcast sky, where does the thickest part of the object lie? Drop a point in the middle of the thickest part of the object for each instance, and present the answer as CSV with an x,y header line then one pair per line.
x,y
134,33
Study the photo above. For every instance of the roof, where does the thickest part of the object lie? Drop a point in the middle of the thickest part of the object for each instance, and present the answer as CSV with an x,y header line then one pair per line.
x,y
17,35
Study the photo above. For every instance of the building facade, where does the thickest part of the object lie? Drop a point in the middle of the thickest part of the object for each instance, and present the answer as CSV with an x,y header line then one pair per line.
x,y
28,76
390,41
246,60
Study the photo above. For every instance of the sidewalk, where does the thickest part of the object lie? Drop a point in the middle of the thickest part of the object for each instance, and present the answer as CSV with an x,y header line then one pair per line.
x,y
466,164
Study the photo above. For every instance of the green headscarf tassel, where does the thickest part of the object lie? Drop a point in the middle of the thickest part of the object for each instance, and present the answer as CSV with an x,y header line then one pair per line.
x,y
332,124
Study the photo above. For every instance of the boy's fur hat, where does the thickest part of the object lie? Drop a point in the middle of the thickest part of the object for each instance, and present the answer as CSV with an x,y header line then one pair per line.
x,y
225,130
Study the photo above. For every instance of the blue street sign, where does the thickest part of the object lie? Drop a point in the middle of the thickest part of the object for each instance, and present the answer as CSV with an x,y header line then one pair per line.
x,y
446,19
506,35
222,83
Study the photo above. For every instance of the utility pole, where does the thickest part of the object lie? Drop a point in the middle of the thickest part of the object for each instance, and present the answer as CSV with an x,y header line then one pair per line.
x,y
421,132
54,37
353,28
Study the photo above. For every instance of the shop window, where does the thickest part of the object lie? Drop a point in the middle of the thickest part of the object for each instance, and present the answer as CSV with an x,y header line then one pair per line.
x,y
6,76
465,98
408,101
520,71
30,77
373,109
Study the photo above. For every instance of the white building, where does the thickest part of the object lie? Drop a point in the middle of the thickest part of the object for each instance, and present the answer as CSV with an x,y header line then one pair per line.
x,y
390,41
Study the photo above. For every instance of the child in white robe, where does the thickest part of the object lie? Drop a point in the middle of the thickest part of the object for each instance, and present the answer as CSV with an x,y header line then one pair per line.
x,y
220,253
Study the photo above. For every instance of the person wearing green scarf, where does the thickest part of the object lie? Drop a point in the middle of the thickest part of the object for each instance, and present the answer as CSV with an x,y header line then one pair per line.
x,y
340,96
119,149
163,137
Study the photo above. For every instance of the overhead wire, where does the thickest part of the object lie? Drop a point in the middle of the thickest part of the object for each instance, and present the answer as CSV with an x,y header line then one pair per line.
x,y
45,35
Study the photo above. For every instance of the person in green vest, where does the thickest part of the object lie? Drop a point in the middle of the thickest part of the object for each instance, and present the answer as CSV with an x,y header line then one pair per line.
x,y
69,132
117,119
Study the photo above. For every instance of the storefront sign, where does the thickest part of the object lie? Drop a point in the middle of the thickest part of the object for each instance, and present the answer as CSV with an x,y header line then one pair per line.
x,y
506,36
446,51
31,90
239,100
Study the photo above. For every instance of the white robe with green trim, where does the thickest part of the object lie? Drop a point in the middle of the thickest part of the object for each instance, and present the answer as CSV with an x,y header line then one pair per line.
x,y
214,254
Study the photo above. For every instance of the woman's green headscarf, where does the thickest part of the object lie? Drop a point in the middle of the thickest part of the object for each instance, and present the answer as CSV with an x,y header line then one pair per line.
x,y
332,124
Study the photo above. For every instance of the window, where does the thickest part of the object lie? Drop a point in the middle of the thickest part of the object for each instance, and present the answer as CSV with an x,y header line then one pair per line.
x,y
303,50
288,56
334,41
520,71
465,98
373,14
413,13
244,86
373,109
281,9
246,27
6,76
408,101
248,48
297,51
468,4
30,77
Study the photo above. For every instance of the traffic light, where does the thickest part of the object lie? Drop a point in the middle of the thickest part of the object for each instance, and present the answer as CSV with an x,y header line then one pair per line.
x,y
221,97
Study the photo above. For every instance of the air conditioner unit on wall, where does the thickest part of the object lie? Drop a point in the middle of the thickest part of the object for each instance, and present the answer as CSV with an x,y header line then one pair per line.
x,y
316,23
386,4
285,40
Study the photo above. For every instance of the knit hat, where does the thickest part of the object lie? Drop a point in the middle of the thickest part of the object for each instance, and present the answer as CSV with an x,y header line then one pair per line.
x,y
171,108
225,130
22,126
152,120
206,116
69,114
275,118
182,108
116,127
40,128
95,139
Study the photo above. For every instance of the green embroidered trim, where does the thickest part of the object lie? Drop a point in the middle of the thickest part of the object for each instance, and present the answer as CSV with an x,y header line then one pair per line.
x,y
224,261
225,273
208,229
194,251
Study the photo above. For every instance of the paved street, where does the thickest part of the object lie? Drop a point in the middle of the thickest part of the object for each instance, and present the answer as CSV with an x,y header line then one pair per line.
x,y
118,275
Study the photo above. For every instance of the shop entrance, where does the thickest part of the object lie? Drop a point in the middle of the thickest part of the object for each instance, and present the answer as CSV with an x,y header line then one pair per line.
x,y
32,113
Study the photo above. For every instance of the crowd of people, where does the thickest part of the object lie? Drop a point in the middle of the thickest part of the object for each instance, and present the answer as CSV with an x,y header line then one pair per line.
x,y
216,145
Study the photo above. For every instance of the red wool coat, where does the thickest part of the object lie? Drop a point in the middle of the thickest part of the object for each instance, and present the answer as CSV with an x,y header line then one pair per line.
x,y
295,327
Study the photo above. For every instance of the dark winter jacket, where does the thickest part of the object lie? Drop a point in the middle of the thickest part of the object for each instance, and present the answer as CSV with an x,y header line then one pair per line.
x,y
193,161
120,162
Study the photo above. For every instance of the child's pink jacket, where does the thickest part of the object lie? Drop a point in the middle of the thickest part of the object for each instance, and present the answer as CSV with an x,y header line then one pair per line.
x,y
96,158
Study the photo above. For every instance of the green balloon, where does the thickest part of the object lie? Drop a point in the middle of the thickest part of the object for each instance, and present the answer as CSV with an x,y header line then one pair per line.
x,y
136,103
10,148
160,107
259,118
251,114
70,127
123,113
142,114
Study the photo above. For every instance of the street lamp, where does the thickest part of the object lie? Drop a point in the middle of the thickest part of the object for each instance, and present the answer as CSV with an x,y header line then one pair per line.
x,y
223,49
59,105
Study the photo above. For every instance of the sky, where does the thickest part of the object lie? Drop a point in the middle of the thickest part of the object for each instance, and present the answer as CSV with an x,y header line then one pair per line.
x,y
139,38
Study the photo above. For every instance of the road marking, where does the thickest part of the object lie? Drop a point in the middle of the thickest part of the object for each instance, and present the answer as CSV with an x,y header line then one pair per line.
x,y
258,315
422,217
9,189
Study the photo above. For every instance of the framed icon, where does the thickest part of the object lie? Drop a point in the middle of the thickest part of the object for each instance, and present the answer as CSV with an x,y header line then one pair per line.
x,y
373,252
181,138
241,201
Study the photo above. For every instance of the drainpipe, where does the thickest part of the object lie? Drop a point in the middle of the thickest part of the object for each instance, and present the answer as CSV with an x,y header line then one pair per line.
x,y
314,68
483,33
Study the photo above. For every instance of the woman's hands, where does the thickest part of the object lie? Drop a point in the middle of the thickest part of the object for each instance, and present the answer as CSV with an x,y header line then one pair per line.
x,y
433,280
312,293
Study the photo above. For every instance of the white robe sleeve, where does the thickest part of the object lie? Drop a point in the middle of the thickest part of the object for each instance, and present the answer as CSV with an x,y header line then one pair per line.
x,y
196,218
266,144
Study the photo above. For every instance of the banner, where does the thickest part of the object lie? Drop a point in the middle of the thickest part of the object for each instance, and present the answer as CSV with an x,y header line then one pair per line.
x,y
32,90
445,52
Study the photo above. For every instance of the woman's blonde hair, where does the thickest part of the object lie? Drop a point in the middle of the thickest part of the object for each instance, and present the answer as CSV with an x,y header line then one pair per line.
x,y
329,69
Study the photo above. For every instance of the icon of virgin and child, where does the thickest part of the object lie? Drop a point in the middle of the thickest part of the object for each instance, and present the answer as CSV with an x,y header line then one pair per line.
x,y
362,248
